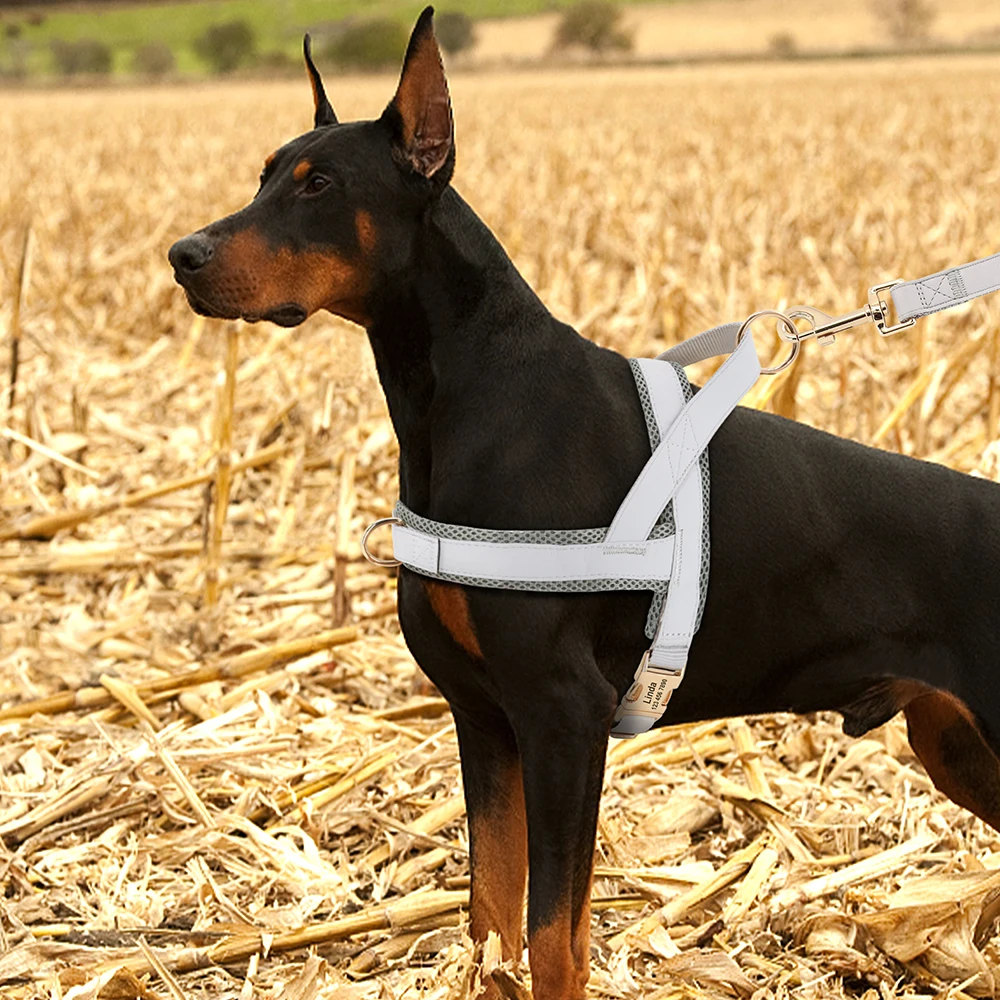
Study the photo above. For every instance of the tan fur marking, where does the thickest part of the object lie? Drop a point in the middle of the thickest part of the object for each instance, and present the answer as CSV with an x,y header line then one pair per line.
x,y
269,159
364,225
451,605
420,69
302,168
315,89
944,735
554,975
500,868
581,936
253,279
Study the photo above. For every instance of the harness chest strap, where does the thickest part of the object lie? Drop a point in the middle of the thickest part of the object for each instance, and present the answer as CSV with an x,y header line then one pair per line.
x,y
661,669
529,562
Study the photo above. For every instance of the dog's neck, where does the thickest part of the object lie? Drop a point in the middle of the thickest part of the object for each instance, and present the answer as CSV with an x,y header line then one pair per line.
x,y
460,309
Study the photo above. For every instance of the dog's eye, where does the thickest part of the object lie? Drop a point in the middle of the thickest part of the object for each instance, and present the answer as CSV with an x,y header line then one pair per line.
x,y
315,184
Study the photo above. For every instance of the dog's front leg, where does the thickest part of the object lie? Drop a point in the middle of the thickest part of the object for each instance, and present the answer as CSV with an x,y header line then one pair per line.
x,y
498,836
563,744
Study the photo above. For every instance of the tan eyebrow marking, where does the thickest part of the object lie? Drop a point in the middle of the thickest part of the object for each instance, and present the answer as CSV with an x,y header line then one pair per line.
x,y
365,228
269,159
301,169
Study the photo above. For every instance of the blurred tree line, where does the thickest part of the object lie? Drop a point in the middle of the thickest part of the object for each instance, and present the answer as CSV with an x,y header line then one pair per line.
x,y
352,44
363,43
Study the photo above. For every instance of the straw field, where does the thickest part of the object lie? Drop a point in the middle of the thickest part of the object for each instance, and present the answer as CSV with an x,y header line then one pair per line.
x,y
219,774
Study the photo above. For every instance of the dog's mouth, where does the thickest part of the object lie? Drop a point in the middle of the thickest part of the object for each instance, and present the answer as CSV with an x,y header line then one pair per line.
x,y
287,314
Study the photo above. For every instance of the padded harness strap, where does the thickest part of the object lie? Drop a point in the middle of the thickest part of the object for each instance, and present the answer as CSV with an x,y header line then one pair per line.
x,y
661,670
688,435
527,561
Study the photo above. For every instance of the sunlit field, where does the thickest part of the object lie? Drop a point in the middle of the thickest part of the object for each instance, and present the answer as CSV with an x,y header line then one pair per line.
x,y
697,27
197,788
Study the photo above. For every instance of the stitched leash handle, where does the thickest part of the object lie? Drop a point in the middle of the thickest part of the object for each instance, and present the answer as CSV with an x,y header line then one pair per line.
x,y
915,299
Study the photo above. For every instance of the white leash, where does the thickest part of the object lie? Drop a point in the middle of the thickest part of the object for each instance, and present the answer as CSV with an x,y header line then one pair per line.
x,y
627,554
915,299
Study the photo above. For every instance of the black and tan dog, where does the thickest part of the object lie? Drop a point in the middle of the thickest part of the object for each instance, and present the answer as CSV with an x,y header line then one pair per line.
x,y
842,577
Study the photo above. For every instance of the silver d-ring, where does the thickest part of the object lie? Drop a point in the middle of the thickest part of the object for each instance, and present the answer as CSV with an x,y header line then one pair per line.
x,y
789,326
364,542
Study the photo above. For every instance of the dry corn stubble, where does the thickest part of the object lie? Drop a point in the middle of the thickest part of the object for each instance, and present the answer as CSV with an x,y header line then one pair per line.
x,y
308,798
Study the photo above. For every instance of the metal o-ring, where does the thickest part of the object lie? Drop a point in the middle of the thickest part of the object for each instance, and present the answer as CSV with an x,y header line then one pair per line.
x,y
364,542
789,326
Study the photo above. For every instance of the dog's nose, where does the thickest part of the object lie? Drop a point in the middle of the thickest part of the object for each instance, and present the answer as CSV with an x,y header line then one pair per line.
x,y
191,253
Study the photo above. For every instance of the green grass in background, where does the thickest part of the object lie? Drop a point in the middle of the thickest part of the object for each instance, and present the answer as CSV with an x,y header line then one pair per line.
x,y
278,24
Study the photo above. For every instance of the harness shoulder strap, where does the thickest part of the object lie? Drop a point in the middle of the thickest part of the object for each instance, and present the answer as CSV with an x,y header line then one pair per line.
x,y
662,667
661,670
688,435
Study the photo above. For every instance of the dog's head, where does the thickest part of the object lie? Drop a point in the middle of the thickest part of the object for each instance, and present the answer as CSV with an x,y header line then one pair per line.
x,y
337,209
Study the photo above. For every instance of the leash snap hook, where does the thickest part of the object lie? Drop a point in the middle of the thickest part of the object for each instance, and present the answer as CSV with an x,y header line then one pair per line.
x,y
371,557
825,327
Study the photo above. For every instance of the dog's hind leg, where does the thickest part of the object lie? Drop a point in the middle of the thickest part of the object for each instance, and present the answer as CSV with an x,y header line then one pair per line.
x,y
945,736
494,798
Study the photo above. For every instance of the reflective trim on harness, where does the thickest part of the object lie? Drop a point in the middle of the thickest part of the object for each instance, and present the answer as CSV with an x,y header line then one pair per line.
x,y
526,562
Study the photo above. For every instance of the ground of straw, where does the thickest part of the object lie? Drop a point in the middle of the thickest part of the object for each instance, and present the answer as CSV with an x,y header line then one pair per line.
x,y
214,788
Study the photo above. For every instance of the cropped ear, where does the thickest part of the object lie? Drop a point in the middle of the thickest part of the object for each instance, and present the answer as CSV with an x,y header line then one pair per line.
x,y
324,110
420,113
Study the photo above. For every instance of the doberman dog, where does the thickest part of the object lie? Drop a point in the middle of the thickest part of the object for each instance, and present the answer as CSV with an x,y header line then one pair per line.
x,y
842,577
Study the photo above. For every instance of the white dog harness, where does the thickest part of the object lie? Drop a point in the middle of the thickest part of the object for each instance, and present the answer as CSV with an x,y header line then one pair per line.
x,y
647,546
659,538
